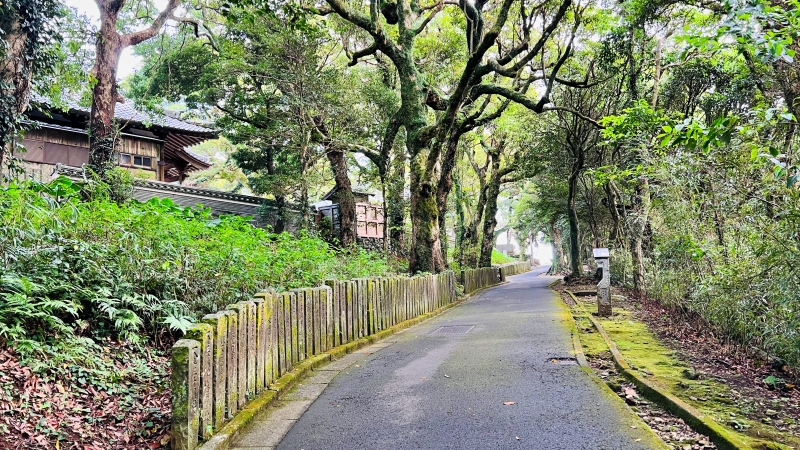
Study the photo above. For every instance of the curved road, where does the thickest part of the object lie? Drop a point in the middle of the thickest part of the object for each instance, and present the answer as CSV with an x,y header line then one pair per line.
x,y
431,390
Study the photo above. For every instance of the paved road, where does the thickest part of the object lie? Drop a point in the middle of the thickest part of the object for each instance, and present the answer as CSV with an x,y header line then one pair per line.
x,y
447,391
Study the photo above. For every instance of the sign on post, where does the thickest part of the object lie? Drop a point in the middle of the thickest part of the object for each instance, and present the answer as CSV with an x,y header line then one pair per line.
x,y
601,255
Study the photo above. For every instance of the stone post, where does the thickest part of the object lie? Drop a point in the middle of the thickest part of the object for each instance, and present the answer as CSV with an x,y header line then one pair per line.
x,y
185,383
601,255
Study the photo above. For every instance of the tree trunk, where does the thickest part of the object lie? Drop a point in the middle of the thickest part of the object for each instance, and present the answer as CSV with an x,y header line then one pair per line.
x,y
490,218
426,248
558,255
469,241
280,200
445,186
347,203
395,203
460,225
102,132
576,266
15,76
637,240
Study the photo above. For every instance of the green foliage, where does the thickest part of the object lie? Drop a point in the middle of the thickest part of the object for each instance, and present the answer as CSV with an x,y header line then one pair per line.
x,y
500,258
100,268
31,23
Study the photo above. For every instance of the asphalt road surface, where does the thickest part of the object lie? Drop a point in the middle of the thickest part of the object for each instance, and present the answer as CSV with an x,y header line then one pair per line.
x,y
487,383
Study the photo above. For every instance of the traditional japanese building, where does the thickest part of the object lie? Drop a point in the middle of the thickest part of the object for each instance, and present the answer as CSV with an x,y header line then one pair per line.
x,y
153,147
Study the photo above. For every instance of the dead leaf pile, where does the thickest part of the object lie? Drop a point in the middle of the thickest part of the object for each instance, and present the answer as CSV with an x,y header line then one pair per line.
x,y
74,408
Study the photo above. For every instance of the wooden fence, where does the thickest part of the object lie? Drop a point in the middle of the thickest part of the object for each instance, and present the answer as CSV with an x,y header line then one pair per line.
x,y
515,268
234,355
474,279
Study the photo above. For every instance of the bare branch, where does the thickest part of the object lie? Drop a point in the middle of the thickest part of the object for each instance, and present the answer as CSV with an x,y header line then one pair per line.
x,y
362,53
428,19
154,28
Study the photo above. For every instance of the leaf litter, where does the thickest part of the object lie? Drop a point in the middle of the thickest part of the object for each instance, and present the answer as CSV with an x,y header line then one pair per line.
x,y
72,407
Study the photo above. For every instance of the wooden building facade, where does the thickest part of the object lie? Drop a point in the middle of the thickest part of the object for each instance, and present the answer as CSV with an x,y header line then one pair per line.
x,y
151,147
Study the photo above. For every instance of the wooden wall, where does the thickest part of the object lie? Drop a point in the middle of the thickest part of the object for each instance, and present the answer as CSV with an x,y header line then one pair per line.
x,y
49,146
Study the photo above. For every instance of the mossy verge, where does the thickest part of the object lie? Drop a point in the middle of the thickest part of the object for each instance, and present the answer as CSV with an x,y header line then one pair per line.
x,y
706,405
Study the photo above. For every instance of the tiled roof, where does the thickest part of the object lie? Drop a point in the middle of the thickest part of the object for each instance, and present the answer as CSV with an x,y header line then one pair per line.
x,y
126,112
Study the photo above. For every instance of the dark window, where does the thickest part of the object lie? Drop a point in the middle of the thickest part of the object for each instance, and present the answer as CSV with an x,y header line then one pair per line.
x,y
137,160
124,159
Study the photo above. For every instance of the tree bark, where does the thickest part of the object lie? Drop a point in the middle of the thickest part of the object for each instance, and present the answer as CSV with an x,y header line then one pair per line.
x,y
426,249
102,133
576,266
102,130
490,218
637,240
558,254
347,203
15,75
396,204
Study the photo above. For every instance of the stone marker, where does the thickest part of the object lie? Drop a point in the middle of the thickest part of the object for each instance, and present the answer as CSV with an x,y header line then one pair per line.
x,y
243,311
601,255
203,334
232,377
185,383
219,327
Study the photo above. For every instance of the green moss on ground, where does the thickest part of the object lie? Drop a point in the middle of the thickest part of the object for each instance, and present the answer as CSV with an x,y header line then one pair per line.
x,y
660,365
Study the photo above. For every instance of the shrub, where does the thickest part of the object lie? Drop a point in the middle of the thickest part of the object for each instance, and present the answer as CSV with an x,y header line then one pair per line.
x,y
133,270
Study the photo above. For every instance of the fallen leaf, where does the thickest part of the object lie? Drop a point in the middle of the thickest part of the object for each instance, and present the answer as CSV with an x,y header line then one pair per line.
x,y
509,403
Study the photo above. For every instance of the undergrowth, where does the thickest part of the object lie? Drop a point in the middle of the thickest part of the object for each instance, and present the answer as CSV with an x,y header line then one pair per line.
x,y
81,268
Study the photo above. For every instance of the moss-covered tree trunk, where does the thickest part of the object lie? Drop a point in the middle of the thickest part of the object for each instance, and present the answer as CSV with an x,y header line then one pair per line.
x,y
490,218
575,262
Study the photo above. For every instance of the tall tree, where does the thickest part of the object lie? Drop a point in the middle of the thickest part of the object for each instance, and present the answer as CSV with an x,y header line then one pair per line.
x,y
110,44
507,29
28,30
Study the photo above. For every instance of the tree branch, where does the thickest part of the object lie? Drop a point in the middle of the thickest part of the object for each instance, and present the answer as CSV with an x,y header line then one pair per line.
x,y
362,53
428,19
143,35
